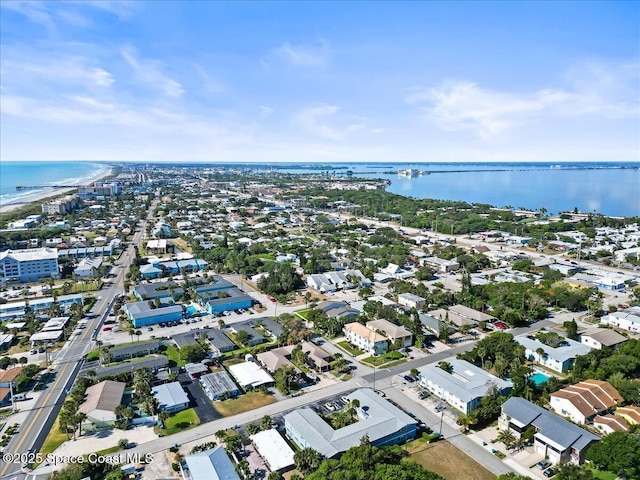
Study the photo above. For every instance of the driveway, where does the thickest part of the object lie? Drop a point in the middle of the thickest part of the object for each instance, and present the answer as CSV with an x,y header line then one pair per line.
x,y
201,403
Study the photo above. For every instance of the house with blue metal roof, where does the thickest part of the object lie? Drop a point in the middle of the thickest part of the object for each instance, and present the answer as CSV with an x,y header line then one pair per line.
x,y
141,314
557,439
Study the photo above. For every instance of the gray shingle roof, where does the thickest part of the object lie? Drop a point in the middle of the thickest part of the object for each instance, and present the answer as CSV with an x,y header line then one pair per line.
x,y
555,429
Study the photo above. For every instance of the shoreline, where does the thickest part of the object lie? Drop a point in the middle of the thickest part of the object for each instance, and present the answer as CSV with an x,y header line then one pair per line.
x,y
50,194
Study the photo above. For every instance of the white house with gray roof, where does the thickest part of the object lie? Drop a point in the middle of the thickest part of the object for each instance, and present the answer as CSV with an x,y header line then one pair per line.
x,y
381,421
628,319
559,359
463,387
171,397
554,438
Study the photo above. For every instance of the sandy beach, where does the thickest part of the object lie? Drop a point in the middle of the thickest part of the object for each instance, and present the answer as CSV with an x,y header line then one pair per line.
x,y
39,197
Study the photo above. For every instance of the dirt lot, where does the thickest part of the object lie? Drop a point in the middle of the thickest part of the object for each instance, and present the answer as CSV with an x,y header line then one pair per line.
x,y
446,460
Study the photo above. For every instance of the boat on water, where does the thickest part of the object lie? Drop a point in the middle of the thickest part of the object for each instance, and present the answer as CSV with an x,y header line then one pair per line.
x,y
411,172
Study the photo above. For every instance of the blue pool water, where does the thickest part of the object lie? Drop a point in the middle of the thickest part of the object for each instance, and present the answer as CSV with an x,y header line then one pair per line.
x,y
539,378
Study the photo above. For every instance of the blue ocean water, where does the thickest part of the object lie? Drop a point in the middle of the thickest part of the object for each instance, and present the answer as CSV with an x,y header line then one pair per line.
x,y
43,173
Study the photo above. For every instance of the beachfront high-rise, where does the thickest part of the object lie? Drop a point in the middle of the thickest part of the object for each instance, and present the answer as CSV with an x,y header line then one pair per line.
x,y
28,265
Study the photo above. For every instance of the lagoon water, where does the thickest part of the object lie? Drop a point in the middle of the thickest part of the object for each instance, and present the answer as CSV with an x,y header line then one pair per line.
x,y
608,188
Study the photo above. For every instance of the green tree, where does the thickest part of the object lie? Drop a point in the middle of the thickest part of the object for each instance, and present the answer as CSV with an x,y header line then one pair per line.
x,y
192,353
243,337
618,453
307,460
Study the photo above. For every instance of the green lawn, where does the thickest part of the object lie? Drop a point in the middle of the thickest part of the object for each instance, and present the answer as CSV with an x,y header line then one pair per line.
x,y
303,313
173,354
382,359
183,420
600,475
350,348
54,439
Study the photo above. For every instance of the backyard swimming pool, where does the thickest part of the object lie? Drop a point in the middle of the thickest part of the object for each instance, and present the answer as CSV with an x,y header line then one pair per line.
x,y
539,378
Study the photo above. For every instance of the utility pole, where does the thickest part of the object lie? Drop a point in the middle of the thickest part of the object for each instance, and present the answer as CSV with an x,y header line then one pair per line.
x,y
441,418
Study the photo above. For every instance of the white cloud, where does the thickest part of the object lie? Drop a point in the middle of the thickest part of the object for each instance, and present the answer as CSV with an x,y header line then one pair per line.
x,y
315,120
50,14
463,105
56,69
304,55
149,73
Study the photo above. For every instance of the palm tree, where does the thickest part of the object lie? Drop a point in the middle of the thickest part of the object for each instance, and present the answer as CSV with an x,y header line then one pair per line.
x,y
138,333
79,418
507,437
221,435
163,416
540,352
466,421
265,424
252,428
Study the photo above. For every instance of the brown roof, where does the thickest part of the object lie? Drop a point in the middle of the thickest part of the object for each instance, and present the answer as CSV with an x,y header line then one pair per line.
x,y
618,424
105,395
630,411
590,396
10,374
364,332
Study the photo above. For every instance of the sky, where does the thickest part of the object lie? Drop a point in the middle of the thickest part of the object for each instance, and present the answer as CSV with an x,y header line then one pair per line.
x,y
320,81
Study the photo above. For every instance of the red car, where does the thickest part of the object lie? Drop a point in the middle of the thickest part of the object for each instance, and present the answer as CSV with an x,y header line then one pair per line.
x,y
501,325
107,329
271,299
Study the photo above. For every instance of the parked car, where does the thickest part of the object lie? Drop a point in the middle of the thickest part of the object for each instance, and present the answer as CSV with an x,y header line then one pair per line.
x,y
422,395
440,407
409,378
549,472
149,329
107,329
33,351
542,464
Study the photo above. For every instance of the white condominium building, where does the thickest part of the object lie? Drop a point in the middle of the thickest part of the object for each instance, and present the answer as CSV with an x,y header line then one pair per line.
x,y
29,265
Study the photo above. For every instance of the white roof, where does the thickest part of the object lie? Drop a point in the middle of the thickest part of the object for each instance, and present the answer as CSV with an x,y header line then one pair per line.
x,y
274,449
250,374
211,464
170,394
31,254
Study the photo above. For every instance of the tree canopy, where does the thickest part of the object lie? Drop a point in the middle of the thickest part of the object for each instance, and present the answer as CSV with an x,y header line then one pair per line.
x,y
367,462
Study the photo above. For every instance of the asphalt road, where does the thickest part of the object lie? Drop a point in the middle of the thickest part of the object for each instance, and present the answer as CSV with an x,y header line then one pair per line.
x,y
33,431
201,403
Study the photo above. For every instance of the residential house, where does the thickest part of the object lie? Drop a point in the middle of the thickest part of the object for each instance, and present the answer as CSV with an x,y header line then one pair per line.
x,y
153,364
255,337
463,386
630,413
219,385
411,301
627,319
132,350
171,397
584,400
396,334
379,420
274,449
250,375
600,338
148,272
559,359
88,267
212,464
234,300
554,437
337,309
6,377
365,339
100,403
142,315
610,423
442,265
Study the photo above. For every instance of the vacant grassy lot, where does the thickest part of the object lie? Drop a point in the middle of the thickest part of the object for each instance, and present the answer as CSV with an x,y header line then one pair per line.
x,y
181,421
447,461
350,348
248,401
600,475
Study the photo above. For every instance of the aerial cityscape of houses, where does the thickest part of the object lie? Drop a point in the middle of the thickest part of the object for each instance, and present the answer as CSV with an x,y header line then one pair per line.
x,y
209,305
